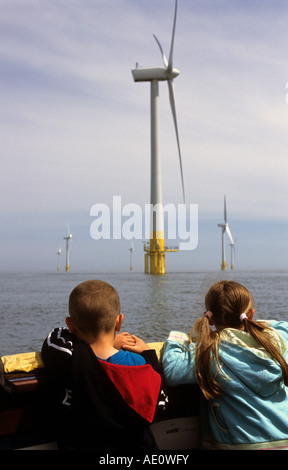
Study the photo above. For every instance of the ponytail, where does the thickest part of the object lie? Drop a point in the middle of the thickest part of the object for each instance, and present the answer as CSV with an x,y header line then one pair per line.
x,y
227,300
260,333
206,343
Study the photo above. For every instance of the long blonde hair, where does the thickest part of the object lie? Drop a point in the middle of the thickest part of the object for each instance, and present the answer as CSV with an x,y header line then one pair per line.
x,y
227,300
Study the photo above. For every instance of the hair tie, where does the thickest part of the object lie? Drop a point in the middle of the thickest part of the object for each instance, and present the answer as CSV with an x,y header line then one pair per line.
x,y
208,314
243,316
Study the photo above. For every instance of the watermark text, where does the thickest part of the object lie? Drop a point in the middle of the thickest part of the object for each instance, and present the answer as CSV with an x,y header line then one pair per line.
x,y
131,221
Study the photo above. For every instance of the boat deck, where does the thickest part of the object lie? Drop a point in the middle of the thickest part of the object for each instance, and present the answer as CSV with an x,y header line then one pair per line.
x,y
26,414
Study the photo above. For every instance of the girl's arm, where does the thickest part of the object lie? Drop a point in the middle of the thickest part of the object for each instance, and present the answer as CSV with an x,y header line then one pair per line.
x,y
178,359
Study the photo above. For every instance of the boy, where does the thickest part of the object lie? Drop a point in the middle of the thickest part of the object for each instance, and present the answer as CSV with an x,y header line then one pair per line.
x,y
109,396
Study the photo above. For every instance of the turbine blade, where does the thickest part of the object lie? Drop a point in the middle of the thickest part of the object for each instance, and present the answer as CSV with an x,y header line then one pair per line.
x,y
225,210
173,109
161,50
229,233
170,64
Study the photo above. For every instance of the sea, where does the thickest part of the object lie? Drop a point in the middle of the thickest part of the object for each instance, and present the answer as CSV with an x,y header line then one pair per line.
x,y
32,304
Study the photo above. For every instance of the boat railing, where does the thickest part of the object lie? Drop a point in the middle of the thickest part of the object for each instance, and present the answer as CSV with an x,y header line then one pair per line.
x,y
27,413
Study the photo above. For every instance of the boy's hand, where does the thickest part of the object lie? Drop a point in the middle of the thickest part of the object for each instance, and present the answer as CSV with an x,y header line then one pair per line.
x,y
138,347
123,339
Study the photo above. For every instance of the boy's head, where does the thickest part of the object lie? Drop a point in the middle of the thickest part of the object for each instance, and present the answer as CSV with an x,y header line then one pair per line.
x,y
94,307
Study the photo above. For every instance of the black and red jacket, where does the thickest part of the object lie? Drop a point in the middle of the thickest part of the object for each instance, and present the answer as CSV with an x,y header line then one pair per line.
x,y
101,405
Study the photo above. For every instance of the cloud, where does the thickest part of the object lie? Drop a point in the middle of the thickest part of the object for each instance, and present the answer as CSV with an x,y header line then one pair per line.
x,y
75,128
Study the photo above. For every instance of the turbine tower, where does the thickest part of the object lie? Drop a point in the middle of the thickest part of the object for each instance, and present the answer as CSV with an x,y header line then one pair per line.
x,y
232,254
59,253
131,255
156,251
225,228
69,236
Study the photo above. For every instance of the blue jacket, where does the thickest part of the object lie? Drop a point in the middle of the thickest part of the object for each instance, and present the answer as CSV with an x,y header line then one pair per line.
x,y
252,411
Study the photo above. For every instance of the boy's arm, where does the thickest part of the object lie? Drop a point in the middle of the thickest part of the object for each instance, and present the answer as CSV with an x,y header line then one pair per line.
x,y
123,339
57,350
151,358
145,351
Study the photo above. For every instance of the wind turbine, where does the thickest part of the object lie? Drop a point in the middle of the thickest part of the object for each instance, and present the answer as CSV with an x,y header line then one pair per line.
x,y
131,254
59,253
69,236
232,254
225,228
156,251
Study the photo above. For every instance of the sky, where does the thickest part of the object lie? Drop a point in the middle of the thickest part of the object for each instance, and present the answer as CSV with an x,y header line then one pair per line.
x,y
75,128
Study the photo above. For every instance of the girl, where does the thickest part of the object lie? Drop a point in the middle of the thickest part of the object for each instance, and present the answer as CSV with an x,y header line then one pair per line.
x,y
240,366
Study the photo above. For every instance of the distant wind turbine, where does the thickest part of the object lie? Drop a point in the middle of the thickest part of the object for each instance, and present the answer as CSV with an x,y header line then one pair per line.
x,y
59,253
156,251
131,255
232,254
225,228
69,236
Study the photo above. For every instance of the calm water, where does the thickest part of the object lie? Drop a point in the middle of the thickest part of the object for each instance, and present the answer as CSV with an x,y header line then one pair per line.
x,y
32,304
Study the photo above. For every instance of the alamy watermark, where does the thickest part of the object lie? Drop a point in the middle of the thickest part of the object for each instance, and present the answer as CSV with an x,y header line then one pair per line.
x,y
131,221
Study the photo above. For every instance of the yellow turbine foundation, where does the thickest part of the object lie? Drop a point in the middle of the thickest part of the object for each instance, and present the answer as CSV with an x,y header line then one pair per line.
x,y
154,257
223,266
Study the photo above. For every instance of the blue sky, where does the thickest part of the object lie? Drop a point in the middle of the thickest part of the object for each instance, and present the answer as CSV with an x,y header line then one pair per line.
x,y
75,128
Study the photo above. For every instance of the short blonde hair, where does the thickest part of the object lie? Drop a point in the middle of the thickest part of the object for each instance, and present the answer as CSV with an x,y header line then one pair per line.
x,y
94,306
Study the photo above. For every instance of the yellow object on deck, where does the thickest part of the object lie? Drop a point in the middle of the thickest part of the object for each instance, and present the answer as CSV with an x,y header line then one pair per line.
x,y
24,362
158,348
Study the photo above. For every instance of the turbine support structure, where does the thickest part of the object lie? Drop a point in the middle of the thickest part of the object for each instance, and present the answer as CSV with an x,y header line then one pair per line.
x,y
69,236
131,255
155,253
59,253
67,267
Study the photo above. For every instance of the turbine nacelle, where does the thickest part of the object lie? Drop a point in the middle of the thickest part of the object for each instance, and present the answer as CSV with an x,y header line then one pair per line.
x,y
160,74
148,74
223,227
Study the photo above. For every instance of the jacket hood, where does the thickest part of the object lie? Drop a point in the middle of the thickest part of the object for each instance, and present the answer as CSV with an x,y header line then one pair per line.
x,y
254,367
